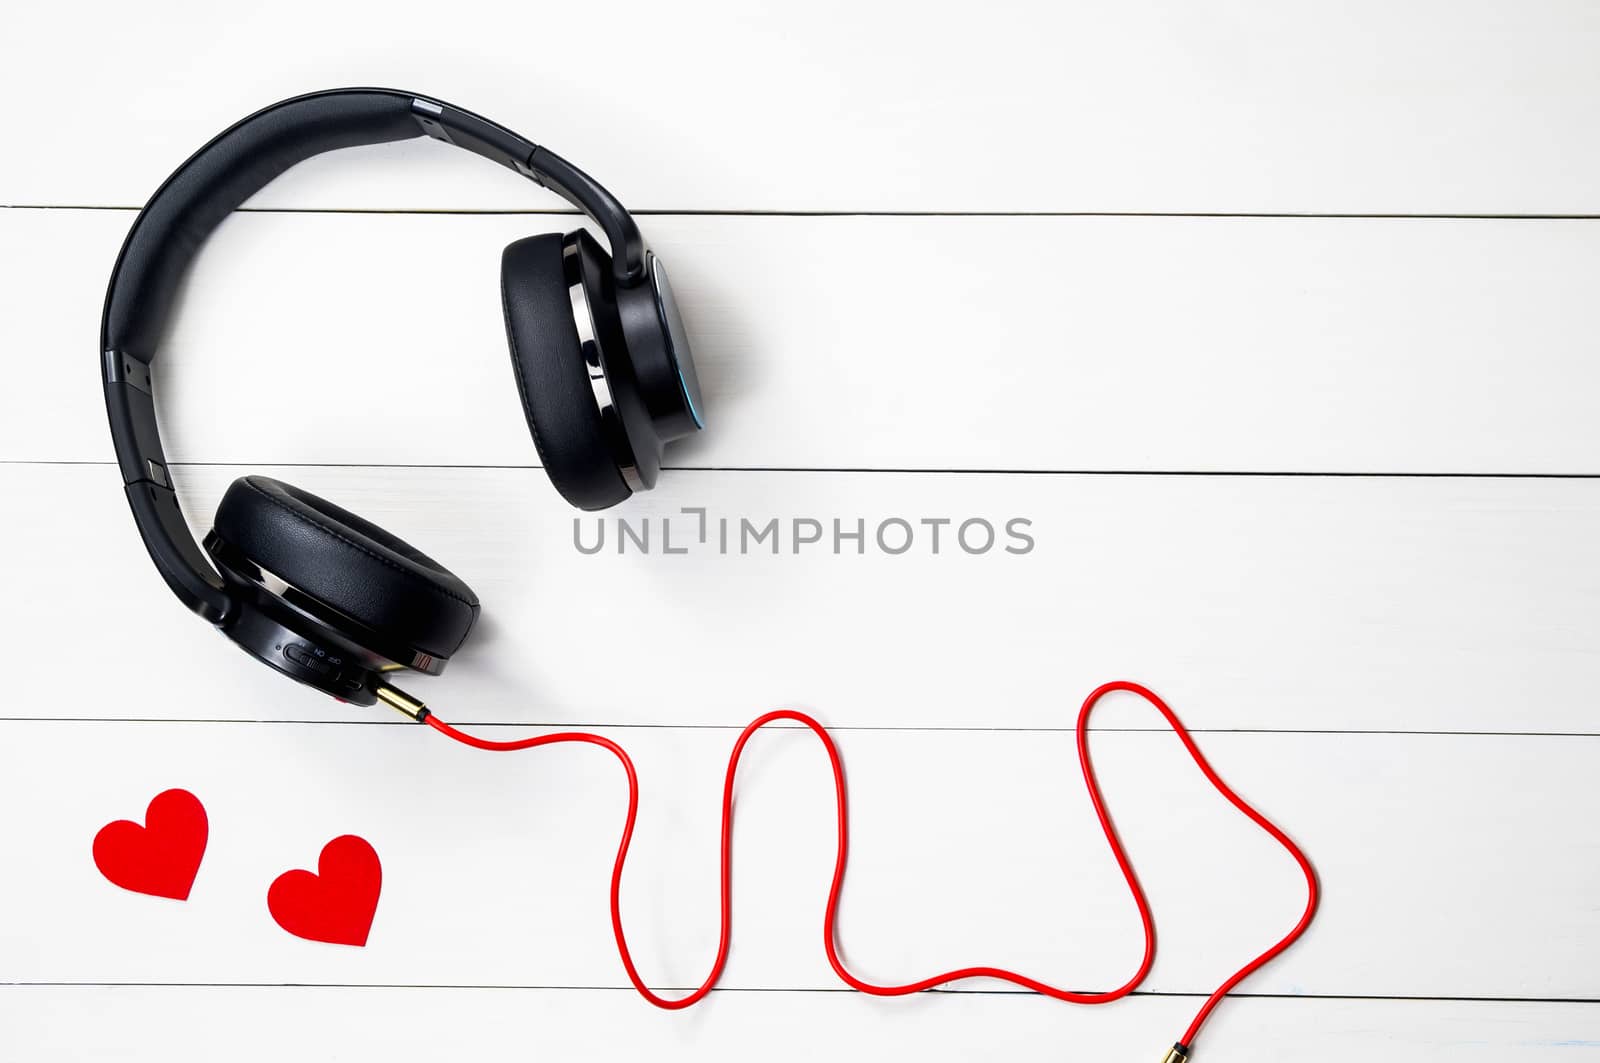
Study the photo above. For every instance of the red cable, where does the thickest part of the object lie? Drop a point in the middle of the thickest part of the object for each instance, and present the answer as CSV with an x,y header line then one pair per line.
x,y
837,886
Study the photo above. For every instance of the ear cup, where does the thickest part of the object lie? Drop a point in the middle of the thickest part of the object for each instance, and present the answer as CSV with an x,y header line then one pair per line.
x,y
347,564
553,377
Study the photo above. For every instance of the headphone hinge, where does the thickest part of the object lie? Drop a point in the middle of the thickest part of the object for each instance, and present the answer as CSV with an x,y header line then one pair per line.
x,y
122,368
429,116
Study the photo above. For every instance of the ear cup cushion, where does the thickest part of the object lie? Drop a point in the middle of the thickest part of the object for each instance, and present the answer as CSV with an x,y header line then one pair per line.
x,y
348,564
552,378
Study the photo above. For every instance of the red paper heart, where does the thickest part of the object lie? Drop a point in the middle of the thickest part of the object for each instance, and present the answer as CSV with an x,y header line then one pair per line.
x,y
162,856
337,903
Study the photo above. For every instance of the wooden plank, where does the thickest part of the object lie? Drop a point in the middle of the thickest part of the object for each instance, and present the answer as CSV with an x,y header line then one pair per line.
x,y
1015,343
1145,106
1280,603
157,1025
967,847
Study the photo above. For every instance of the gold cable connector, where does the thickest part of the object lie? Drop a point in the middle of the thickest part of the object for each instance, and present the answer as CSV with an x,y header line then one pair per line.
x,y
1177,1054
401,702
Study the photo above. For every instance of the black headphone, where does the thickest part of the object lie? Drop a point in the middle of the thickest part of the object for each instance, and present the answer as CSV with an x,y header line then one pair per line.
x,y
311,589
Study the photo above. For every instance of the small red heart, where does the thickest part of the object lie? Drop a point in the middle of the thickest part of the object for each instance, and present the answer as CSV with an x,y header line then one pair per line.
x,y
337,903
161,857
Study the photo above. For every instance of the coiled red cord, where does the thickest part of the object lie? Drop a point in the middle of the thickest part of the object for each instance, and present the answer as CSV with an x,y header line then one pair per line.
x,y
837,885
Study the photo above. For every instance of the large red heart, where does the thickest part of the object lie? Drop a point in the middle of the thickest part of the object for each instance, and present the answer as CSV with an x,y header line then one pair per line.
x,y
337,903
162,856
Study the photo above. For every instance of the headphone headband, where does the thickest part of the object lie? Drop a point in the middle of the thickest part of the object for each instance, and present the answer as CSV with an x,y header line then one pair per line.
x,y
196,198
247,156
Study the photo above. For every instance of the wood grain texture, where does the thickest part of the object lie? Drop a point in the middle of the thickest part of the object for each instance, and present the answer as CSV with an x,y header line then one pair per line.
x,y
1017,343
155,1025
1249,105
1259,602
967,848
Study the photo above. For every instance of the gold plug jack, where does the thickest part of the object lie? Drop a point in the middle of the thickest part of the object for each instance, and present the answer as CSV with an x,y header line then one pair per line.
x,y
1177,1054
401,702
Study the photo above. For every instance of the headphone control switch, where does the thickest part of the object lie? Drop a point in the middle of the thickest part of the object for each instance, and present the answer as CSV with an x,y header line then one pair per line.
x,y
302,655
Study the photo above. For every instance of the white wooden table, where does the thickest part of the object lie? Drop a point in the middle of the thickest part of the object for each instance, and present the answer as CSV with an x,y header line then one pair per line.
x,y
1277,321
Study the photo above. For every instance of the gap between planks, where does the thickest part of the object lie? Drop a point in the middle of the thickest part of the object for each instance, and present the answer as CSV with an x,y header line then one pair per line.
x,y
877,470
749,212
832,729
813,990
